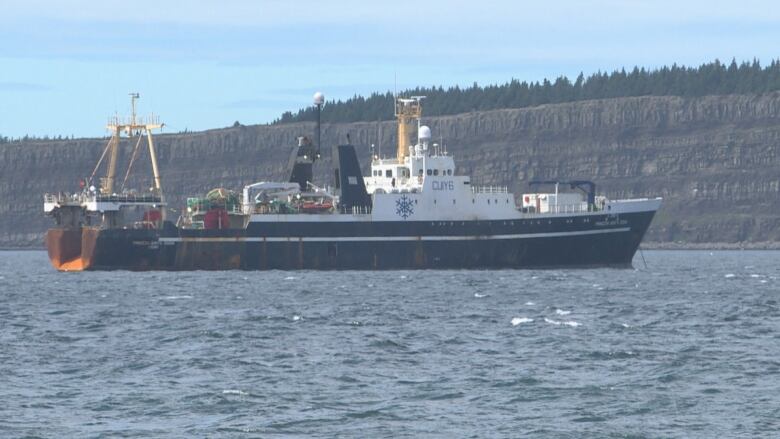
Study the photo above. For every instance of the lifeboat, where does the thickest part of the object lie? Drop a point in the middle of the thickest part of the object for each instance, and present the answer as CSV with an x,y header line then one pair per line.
x,y
316,206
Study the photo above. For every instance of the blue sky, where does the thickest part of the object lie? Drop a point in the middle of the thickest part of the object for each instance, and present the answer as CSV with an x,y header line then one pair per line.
x,y
65,66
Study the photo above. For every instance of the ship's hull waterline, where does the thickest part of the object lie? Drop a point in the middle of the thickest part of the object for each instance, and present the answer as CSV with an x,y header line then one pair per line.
x,y
577,241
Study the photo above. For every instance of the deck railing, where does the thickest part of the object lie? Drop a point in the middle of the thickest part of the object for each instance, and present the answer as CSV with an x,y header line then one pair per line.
x,y
80,197
562,208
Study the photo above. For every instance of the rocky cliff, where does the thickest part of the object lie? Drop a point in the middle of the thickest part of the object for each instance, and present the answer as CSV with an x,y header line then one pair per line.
x,y
715,160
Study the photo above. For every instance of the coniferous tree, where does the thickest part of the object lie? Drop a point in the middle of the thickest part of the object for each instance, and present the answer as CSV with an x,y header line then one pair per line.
x,y
707,79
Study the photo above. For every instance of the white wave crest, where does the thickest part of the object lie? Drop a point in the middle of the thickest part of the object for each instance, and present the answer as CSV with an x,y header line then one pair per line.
x,y
296,318
730,275
529,304
234,392
177,297
571,323
562,312
479,296
518,320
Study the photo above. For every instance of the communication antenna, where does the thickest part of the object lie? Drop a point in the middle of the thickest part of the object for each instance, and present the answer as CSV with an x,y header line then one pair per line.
x,y
319,101
133,97
395,85
379,140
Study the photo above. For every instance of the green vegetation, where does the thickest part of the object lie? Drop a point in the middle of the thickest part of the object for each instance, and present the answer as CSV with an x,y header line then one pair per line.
x,y
28,138
712,78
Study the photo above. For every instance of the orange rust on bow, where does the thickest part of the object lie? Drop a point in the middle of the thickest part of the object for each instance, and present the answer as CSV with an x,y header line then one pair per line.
x,y
64,248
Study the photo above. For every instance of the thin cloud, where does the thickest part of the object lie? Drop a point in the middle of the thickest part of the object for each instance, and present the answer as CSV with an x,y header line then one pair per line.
x,y
23,86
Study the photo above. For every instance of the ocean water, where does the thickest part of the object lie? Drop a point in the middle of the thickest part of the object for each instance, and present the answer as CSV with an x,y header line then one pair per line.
x,y
687,347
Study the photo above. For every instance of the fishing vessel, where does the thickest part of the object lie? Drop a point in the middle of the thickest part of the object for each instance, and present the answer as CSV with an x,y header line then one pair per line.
x,y
412,211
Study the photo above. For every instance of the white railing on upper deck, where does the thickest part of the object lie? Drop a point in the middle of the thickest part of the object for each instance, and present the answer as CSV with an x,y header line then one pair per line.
x,y
563,208
88,197
63,198
489,189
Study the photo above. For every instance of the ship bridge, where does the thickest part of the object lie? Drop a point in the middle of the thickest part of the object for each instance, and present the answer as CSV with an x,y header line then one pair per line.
x,y
414,163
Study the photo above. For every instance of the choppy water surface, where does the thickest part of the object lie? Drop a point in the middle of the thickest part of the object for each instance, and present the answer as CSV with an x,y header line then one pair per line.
x,y
688,347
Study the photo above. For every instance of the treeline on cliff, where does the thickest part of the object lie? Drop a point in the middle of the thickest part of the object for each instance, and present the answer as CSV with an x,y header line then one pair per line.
x,y
713,78
27,138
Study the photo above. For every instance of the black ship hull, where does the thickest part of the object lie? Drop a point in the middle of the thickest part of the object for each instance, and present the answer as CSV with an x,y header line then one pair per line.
x,y
531,242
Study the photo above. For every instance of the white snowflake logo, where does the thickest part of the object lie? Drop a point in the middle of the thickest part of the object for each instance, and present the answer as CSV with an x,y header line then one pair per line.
x,y
404,207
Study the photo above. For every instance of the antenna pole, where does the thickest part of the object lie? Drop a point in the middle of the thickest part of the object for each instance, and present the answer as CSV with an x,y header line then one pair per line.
x,y
133,97
319,111
319,100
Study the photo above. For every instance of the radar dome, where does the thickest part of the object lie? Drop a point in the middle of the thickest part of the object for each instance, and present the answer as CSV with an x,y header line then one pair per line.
x,y
425,133
319,98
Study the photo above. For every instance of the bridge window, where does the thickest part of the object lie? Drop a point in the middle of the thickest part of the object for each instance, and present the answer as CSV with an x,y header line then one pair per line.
x,y
421,172
449,171
430,172
389,173
435,172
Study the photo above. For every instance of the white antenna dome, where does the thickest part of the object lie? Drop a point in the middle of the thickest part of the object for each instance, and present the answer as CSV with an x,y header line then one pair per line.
x,y
319,98
424,133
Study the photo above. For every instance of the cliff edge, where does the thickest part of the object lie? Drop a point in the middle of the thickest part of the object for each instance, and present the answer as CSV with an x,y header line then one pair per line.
x,y
714,159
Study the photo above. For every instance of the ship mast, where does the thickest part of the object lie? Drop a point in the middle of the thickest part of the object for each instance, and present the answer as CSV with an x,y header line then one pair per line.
x,y
408,111
135,125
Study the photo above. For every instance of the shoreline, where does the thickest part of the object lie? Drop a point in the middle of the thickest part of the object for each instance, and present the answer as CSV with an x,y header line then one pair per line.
x,y
770,245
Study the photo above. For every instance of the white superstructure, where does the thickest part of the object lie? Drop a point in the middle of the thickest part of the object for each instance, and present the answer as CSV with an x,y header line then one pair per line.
x,y
421,183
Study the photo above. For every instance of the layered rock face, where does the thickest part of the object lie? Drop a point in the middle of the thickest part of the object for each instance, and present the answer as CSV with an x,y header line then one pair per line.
x,y
715,160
